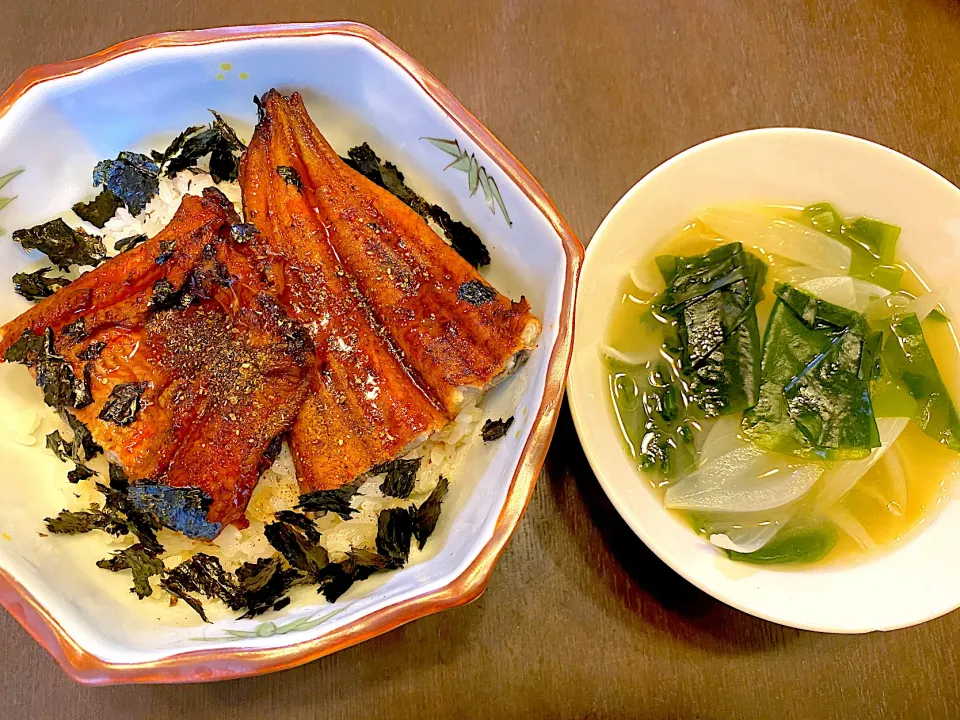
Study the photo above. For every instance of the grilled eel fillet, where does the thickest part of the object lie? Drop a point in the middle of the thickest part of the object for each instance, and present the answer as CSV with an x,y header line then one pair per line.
x,y
221,368
405,331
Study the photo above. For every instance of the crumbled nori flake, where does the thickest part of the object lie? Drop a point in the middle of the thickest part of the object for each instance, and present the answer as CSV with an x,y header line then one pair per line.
x,y
128,243
475,292
58,446
261,111
142,563
218,140
183,509
495,429
69,523
204,574
179,592
426,516
92,351
100,209
142,524
36,285
337,500
75,331
301,521
360,564
166,297
166,251
297,548
118,478
132,177
123,404
385,174
82,438
61,387
394,530
290,176
80,472
242,233
401,476
26,349
62,244
263,584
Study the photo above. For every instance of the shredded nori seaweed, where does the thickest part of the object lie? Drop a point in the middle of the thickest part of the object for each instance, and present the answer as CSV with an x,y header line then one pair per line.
x,y
123,404
263,584
476,292
100,209
36,285
82,438
204,574
242,233
166,297
167,248
61,387
183,509
394,531
337,578
298,543
385,174
80,472
426,516
62,244
290,176
75,331
218,140
92,351
337,500
141,562
128,243
495,429
132,177
401,476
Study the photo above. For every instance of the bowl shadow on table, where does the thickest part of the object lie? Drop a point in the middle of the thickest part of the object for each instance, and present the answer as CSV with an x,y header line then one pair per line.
x,y
645,585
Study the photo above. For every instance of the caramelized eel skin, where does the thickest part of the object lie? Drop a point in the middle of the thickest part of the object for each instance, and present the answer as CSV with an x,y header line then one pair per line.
x,y
223,377
397,349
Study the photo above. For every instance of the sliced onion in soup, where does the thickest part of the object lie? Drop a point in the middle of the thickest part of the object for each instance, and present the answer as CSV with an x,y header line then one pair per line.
x,y
780,236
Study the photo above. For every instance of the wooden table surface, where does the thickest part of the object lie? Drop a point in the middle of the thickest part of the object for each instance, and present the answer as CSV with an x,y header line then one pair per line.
x,y
580,620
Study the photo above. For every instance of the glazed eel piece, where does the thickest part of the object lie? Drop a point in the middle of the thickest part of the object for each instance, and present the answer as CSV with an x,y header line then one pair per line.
x,y
436,333
192,370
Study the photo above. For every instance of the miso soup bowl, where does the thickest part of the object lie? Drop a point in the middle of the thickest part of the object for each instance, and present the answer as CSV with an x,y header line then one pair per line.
x,y
56,121
916,578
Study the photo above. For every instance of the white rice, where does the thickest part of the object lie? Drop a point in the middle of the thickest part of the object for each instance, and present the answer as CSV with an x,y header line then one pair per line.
x,y
278,488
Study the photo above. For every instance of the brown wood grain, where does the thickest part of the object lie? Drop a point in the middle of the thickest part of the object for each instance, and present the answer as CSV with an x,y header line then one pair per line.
x,y
580,620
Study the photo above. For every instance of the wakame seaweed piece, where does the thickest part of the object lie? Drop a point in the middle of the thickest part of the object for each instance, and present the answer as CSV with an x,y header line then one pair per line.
x,y
475,292
183,509
290,176
401,476
80,472
712,299
909,368
204,574
263,583
426,516
829,401
337,500
36,285
100,209
62,244
132,177
123,404
82,438
92,351
297,548
394,532
385,174
814,397
802,544
128,243
140,562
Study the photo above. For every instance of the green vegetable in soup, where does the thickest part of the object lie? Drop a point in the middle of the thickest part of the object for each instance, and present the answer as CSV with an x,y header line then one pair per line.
x,y
654,417
803,544
911,386
818,360
873,243
712,299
